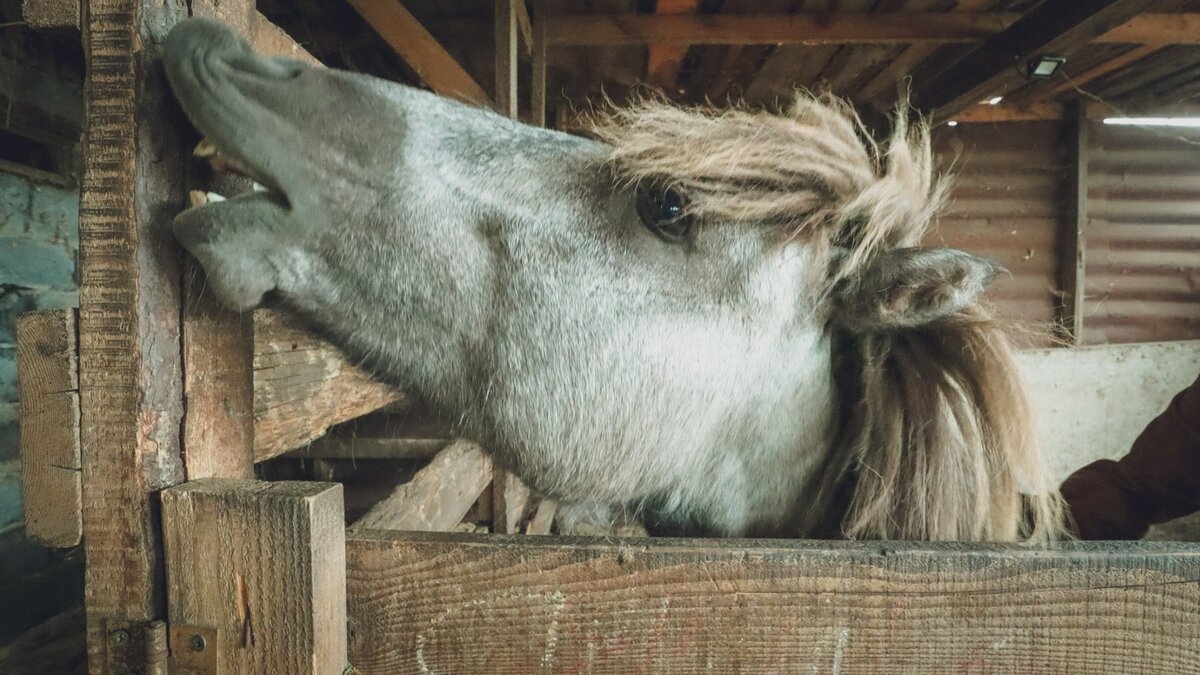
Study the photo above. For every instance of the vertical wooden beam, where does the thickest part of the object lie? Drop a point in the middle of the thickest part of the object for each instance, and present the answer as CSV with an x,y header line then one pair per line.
x,y
537,88
1072,240
264,565
506,57
48,382
129,321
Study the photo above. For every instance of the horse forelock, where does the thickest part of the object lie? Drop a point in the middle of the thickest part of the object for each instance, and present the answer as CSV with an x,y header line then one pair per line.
x,y
936,439
812,173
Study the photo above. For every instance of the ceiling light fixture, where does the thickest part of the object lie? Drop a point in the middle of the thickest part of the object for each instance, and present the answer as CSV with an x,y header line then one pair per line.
x,y
1044,66
1154,121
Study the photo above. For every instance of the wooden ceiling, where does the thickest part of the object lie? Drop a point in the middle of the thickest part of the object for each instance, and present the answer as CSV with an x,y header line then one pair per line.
x,y
1135,55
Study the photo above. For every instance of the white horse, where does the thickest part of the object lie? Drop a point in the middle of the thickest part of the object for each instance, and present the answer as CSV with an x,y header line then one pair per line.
x,y
713,322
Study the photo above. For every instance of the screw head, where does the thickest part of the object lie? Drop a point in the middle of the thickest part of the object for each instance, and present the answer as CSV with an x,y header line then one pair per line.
x,y
120,636
198,643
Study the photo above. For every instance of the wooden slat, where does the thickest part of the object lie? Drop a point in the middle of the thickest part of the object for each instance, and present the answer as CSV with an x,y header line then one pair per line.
x,y
438,496
51,13
1006,112
506,57
988,70
433,64
48,386
264,564
524,25
663,62
537,95
732,29
543,518
1072,239
129,321
1157,29
304,385
421,602
510,502
1096,72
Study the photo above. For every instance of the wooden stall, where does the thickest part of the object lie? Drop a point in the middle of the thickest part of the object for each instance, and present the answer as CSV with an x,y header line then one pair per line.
x,y
193,566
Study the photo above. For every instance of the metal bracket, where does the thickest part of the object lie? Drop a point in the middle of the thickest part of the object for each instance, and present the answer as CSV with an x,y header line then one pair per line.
x,y
194,650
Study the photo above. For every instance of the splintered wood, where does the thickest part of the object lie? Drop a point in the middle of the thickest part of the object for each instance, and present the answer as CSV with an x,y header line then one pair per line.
x,y
442,603
304,385
51,465
264,565
439,495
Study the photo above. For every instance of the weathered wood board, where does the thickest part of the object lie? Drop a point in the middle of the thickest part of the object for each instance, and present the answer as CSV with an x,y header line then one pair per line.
x,y
51,463
264,565
304,385
438,497
455,603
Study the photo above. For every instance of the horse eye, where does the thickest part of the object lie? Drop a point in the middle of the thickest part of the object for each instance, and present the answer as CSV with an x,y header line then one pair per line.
x,y
663,213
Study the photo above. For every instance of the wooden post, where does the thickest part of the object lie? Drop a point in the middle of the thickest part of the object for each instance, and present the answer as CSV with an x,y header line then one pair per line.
x,y
506,57
257,575
129,321
537,91
48,381
1072,240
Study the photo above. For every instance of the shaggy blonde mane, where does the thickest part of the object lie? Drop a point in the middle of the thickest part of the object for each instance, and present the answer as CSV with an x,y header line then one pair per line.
x,y
936,438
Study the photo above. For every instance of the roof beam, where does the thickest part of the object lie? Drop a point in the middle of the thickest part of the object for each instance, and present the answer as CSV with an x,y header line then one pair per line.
x,y
931,28
995,67
420,50
663,62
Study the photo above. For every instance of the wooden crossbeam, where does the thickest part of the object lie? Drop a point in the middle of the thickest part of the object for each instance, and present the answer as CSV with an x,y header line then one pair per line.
x,y
506,605
420,50
934,28
438,496
663,61
1096,72
995,67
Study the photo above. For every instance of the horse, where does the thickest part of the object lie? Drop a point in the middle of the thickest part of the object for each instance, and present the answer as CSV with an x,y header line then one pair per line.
x,y
708,322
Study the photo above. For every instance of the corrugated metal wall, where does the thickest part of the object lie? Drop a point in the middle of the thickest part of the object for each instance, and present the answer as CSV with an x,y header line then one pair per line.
x,y
1143,244
1006,205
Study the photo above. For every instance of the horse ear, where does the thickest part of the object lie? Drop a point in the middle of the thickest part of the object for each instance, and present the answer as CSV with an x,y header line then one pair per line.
x,y
909,287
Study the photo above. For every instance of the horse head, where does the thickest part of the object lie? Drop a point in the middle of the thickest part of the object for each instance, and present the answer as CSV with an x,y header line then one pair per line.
x,y
717,321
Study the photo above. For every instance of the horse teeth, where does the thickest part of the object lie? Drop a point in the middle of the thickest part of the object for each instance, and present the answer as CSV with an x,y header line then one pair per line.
x,y
200,198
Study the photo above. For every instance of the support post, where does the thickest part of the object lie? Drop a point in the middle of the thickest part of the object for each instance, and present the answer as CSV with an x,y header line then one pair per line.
x,y
506,57
537,87
256,574
1072,243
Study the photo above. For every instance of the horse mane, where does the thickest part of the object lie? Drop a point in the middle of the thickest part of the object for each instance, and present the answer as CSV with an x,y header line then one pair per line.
x,y
936,438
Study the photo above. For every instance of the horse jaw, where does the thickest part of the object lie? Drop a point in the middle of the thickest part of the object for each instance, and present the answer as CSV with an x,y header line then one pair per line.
x,y
496,271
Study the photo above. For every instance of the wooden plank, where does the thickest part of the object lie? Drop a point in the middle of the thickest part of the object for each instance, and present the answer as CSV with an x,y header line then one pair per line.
x,y
1157,29
264,565
663,62
303,385
420,602
506,57
510,502
537,92
420,50
41,14
761,29
129,321
524,25
543,518
1096,72
438,497
334,446
1072,235
51,464
1011,112
995,67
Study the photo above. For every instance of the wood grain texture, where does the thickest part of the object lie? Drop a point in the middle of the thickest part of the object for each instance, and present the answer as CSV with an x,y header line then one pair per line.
x,y
510,502
506,57
303,385
420,50
423,603
130,370
1072,233
51,13
264,564
51,464
438,496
